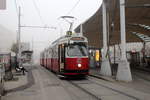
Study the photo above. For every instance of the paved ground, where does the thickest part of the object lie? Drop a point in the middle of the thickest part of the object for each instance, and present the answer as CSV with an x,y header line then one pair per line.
x,y
41,84
141,80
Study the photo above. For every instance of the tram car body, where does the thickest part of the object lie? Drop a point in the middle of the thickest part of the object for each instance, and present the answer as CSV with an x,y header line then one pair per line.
x,y
68,55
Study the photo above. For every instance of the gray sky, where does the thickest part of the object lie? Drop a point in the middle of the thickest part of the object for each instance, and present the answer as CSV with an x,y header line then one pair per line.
x,y
50,11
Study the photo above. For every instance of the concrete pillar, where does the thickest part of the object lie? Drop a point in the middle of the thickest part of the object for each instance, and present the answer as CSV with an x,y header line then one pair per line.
x,y
105,65
81,30
123,73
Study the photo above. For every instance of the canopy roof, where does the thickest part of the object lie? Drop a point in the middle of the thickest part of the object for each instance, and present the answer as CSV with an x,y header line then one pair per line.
x,y
137,20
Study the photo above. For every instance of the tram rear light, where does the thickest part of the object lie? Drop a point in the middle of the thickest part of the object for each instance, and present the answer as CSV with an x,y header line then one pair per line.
x,y
79,65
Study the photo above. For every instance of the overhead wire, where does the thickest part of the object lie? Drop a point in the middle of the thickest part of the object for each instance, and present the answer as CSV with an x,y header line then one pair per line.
x,y
21,3
76,4
38,11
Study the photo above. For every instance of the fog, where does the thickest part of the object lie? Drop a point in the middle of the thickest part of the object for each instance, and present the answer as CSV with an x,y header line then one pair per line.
x,y
42,13
7,38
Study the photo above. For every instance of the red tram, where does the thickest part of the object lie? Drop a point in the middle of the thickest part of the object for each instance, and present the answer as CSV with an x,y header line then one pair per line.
x,y
67,56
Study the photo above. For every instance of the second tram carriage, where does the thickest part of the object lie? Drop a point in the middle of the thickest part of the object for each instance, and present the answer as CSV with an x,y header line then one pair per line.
x,y
68,55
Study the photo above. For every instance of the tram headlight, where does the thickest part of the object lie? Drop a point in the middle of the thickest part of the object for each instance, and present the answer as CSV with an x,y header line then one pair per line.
x,y
79,65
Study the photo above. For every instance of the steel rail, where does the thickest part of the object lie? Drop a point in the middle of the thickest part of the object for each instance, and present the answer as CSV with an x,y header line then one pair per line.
x,y
115,90
84,90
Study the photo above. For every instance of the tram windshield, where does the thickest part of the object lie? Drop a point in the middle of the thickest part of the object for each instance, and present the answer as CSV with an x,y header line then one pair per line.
x,y
77,50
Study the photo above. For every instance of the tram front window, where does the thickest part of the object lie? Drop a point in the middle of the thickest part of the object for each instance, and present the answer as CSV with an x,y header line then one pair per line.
x,y
77,50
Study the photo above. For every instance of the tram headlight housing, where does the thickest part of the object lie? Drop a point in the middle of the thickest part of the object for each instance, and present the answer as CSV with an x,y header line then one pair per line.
x,y
79,65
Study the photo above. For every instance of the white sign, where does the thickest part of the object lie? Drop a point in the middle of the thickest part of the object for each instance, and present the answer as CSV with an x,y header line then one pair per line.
x,y
2,4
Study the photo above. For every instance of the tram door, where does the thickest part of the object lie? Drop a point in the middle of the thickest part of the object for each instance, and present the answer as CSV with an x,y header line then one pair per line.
x,y
61,50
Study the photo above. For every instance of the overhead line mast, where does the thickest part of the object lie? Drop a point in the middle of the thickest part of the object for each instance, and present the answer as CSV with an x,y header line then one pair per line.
x,y
19,34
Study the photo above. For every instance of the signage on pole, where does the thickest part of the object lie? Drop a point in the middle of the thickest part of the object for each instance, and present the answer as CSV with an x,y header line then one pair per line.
x,y
2,4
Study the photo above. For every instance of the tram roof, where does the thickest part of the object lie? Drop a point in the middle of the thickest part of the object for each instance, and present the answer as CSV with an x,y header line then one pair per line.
x,y
66,38
137,20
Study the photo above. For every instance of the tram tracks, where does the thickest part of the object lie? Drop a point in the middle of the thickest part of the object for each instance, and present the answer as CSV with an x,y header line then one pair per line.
x,y
85,90
76,92
82,85
98,97
115,90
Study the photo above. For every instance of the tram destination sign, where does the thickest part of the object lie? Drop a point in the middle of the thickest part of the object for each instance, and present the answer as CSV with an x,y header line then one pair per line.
x,y
77,38
2,4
